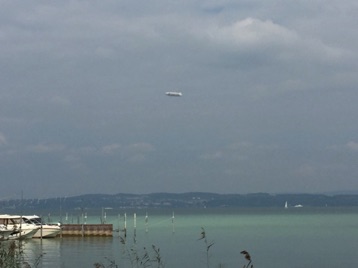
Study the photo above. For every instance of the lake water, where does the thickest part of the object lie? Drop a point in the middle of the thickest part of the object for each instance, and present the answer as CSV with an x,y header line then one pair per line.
x,y
275,238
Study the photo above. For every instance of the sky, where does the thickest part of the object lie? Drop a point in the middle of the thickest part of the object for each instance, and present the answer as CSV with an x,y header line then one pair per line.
x,y
269,97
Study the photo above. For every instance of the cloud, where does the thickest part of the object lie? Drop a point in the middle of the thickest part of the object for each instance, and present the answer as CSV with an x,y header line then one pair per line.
x,y
352,145
61,101
250,33
267,87
306,170
140,147
212,156
240,145
239,151
2,139
45,148
76,163
129,149
137,152
110,149
255,35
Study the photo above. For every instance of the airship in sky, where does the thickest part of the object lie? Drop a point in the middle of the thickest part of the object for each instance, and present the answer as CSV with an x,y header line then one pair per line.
x,y
173,94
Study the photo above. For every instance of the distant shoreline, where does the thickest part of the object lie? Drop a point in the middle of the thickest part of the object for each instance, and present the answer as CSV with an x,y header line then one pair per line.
x,y
181,200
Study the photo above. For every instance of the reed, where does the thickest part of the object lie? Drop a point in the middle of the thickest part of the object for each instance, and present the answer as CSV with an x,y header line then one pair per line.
x,y
248,258
112,264
11,255
208,245
145,258
137,258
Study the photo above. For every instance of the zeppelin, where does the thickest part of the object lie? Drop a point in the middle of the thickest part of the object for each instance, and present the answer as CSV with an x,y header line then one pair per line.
x,y
174,94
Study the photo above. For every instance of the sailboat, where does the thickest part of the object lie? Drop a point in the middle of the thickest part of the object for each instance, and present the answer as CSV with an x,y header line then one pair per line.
x,y
286,205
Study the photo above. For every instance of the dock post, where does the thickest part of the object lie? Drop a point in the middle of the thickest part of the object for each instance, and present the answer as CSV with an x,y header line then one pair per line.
x,y
119,223
125,225
41,227
173,224
146,222
135,225
82,222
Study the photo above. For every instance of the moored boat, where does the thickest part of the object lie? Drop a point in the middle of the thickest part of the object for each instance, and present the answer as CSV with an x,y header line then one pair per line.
x,y
4,232
45,230
19,228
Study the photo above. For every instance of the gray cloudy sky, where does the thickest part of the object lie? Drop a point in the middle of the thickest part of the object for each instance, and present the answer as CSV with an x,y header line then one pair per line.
x,y
269,96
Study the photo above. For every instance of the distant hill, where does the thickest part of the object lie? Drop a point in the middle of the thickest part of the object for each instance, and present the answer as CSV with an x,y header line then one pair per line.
x,y
179,200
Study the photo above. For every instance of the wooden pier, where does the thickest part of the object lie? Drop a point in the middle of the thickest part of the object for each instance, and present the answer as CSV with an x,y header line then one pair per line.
x,y
87,229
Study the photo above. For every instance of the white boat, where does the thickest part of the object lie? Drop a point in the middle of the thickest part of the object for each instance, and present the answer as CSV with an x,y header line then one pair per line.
x,y
4,232
286,205
19,228
45,230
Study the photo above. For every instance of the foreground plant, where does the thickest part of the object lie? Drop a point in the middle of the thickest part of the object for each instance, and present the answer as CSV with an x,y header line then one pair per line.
x,y
207,244
248,258
112,264
137,259
10,255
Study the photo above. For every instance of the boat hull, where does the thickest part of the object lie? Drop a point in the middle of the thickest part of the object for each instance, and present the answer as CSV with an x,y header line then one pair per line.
x,y
47,231
23,234
4,234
